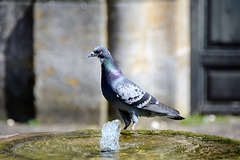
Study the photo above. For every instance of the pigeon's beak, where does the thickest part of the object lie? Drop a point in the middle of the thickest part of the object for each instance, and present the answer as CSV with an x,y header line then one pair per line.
x,y
92,55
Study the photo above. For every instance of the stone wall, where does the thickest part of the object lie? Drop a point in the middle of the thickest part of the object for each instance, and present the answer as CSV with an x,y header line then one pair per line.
x,y
149,39
67,82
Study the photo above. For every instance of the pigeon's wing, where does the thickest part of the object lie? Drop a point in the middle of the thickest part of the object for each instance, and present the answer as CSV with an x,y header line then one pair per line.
x,y
132,94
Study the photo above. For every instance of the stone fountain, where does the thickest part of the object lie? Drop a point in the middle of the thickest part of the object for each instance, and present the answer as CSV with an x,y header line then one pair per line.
x,y
139,144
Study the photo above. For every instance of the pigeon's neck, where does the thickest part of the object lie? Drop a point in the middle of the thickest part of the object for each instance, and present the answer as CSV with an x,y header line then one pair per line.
x,y
109,69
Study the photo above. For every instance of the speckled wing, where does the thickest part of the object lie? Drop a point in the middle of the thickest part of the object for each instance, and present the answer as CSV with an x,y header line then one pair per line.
x,y
132,94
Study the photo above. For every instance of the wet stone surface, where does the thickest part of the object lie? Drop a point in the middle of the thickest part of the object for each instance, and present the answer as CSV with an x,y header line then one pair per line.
x,y
139,144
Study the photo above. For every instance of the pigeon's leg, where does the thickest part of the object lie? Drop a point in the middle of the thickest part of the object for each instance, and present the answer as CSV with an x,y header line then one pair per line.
x,y
133,126
126,118
126,126
134,119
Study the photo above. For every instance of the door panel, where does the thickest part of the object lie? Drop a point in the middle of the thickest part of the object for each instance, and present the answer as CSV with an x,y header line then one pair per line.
x,y
215,57
223,22
223,85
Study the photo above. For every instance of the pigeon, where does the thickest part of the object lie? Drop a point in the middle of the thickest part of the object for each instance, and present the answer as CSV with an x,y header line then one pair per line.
x,y
130,100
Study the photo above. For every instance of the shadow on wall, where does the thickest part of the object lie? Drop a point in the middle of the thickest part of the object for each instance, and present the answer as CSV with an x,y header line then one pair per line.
x,y
19,78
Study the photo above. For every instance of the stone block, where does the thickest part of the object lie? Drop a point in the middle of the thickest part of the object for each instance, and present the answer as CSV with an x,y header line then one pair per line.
x,y
152,47
67,85
143,33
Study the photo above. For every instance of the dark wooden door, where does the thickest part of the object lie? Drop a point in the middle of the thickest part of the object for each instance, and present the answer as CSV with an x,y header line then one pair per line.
x,y
215,56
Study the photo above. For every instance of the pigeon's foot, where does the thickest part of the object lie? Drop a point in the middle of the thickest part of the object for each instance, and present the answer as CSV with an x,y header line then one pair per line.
x,y
133,127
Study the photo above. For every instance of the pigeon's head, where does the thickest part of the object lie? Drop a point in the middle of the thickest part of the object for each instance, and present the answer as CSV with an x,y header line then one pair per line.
x,y
100,52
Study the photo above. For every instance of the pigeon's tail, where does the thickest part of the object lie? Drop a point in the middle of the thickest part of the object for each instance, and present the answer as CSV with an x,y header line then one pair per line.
x,y
177,117
161,109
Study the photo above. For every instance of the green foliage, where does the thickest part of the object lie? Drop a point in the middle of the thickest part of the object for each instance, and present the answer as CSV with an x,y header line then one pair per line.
x,y
33,122
196,119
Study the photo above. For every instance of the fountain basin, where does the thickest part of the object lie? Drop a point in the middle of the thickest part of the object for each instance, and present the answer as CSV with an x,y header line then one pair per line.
x,y
139,144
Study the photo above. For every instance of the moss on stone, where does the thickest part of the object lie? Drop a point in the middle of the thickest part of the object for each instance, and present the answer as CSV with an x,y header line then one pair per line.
x,y
139,143
203,137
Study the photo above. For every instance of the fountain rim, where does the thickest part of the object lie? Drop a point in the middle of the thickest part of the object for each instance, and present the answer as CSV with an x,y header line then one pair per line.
x,y
11,142
200,136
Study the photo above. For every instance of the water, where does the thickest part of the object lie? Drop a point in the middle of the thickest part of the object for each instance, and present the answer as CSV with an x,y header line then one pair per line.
x,y
110,136
138,144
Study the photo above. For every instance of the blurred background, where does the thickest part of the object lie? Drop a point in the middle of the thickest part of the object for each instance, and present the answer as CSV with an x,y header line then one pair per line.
x,y
184,52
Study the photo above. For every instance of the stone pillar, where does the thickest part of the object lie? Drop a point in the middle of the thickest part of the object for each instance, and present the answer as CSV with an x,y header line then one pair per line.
x,y
144,44
149,39
67,85
182,17
16,59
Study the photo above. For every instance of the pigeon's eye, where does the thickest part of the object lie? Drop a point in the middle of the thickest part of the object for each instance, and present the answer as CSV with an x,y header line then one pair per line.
x,y
99,50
